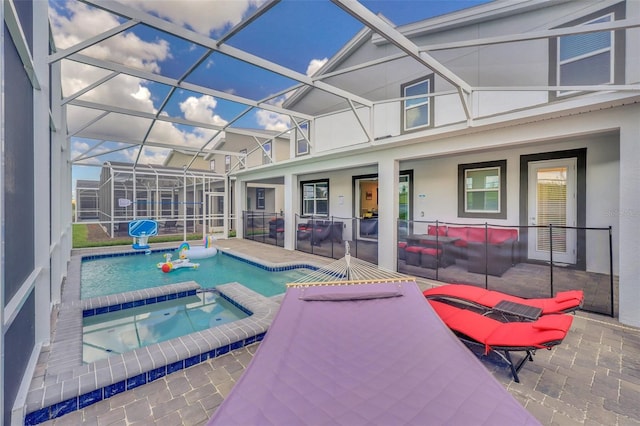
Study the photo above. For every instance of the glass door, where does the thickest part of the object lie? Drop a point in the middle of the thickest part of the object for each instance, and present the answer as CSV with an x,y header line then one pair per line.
x,y
552,201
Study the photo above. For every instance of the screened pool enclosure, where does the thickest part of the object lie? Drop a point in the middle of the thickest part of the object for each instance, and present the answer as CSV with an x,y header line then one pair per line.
x,y
181,200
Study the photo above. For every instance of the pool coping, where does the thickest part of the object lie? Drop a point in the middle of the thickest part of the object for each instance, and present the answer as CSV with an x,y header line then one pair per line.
x,y
65,384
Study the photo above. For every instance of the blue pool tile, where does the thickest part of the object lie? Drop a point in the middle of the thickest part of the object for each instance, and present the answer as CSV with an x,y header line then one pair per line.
x,y
236,345
205,356
136,381
178,365
172,296
38,417
161,298
114,308
213,353
150,300
89,398
222,350
137,303
127,305
191,361
102,310
156,373
191,293
114,389
260,337
64,407
88,313
249,340
182,294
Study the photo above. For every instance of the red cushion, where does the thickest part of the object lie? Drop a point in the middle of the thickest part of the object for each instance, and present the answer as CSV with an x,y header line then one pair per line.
x,y
499,236
459,232
413,249
431,251
402,244
570,295
441,229
475,235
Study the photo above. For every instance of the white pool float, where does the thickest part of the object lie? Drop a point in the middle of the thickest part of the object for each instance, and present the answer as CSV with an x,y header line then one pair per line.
x,y
171,265
199,252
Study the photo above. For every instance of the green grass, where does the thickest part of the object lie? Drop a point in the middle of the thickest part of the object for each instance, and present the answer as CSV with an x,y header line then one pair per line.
x,y
80,238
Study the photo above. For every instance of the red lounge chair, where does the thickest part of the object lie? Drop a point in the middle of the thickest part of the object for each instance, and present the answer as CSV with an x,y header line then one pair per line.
x,y
563,302
505,337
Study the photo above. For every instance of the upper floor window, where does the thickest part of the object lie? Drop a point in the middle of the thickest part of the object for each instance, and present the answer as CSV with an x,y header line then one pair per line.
x,y
302,139
591,58
242,159
227,163
315,198
266,153
212,165
417,111
482,190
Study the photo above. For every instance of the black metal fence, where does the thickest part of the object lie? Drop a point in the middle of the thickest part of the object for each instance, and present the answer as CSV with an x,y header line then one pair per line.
x,y
266,227
327,237
527,261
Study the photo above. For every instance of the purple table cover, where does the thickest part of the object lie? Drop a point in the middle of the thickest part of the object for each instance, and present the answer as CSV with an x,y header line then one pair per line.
x,y
373,354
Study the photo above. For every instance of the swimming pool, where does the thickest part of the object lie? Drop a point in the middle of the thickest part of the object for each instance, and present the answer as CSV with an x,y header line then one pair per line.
x,y
102,276
125,330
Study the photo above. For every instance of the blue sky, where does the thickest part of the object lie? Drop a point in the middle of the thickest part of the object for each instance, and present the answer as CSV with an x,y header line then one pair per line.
x,y
298,34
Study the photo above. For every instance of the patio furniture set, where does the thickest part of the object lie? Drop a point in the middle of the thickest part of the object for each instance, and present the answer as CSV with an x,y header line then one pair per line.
x,y
491,250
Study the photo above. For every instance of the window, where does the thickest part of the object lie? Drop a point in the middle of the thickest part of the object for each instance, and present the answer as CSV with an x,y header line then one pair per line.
x,y
591,58
315,198
266,153
242,159
212,165
482,190
302,139
260,198
417,111
227,163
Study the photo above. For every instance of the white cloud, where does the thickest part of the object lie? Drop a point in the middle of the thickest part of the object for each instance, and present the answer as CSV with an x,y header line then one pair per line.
x,y
126,48
315,65
201,109
272,121
79,22
203,16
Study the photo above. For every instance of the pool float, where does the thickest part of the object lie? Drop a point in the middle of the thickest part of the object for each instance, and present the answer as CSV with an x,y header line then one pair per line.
x,y
200,252
170,265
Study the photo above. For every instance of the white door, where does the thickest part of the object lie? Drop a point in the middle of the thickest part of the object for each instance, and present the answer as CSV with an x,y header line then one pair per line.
x,y
552,200
214,211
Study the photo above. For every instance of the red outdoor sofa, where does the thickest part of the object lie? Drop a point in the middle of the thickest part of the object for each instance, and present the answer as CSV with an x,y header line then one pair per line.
x,y
492,249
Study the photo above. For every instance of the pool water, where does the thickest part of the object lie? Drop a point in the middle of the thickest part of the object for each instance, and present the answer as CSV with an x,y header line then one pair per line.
x,y
121,331
112,275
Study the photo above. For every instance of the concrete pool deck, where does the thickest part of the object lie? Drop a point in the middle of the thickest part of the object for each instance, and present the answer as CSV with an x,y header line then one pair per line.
x,y
592,378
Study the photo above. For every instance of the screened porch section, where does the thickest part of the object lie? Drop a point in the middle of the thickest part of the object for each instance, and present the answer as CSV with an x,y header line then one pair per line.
x,y
180,200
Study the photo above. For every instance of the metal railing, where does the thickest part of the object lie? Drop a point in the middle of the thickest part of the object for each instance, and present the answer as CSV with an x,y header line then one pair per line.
x,y
527,261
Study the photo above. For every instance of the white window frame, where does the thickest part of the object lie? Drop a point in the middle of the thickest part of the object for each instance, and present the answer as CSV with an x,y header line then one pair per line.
x,y
315,198
419,104
242,159
267,152
301,141
468,190
227,163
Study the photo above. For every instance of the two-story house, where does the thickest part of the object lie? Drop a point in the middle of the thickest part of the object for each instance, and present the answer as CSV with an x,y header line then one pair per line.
x,y
470,115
